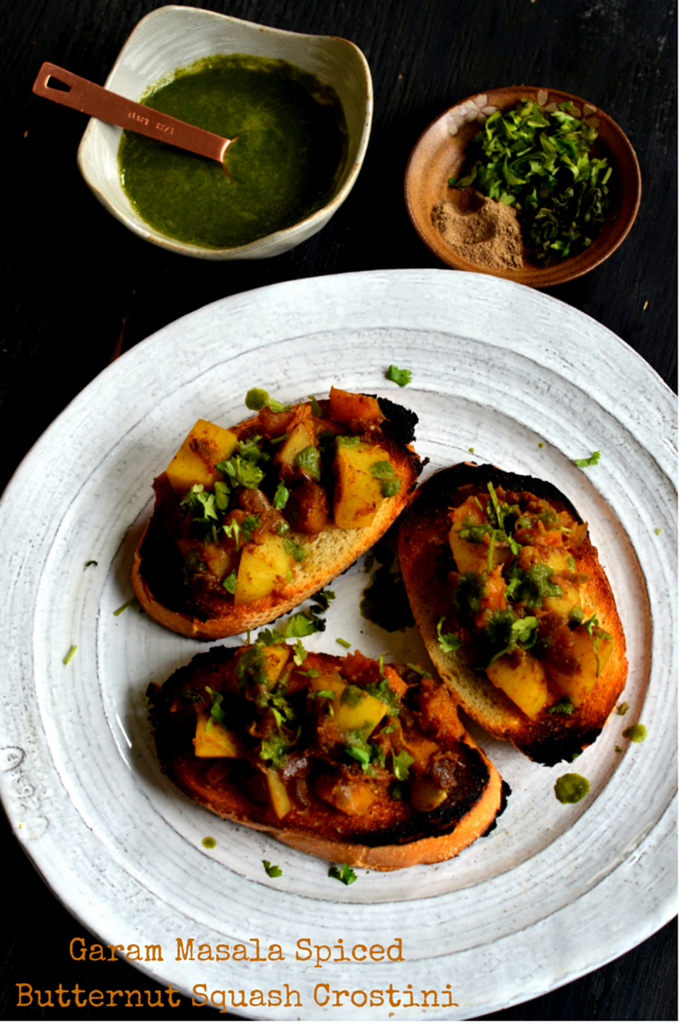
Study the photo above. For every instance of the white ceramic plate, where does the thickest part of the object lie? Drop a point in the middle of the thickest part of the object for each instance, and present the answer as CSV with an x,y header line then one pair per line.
x,y
555,890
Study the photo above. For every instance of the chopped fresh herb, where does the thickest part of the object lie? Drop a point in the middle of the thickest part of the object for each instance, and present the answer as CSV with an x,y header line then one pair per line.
x,y
591,461
562,707
360,754
401,764
539,162
308,459
400,377
241,472
618,749
623,708
344,643
315,406
257,398
302,624
242,531
209,842
448,642
657,533
216,712
297,551
70,655
281,496
272,870
326,694
300,653
132,601
343,874
91,562
230,582
274,749
322,601
201,501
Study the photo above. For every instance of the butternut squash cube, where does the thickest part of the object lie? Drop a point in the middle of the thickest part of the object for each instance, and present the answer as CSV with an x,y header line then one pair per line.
x,y
194,462
523,679
346,406
302,436
357,492
590,655
260,568
277,793
274,660
349,795
211,739
354,710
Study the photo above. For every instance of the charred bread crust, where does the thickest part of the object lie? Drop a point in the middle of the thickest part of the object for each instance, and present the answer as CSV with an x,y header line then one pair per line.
x,y
426,559
157,571
387,836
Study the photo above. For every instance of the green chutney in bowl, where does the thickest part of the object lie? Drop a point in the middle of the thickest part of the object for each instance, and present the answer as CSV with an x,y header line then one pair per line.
x,y
291,148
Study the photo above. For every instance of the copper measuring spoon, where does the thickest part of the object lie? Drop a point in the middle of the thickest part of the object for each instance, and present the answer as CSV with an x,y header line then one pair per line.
x,y
115,109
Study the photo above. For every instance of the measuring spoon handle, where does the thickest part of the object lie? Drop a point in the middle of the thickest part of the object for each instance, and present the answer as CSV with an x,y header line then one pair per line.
x,y
115,109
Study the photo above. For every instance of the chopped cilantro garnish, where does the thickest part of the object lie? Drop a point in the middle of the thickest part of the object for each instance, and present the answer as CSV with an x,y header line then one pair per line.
x,y
322,694
281,496
401,764
272,870
539,162
302,624
216,712
400,377
343,643
70,655
241,472
623,708
297,551
274,749
230,582
132,601
360,754
343,874
308,459
448,642
591,461
562,707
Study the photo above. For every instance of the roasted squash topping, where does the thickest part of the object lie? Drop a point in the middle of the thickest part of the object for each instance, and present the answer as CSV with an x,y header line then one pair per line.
x,y
519,602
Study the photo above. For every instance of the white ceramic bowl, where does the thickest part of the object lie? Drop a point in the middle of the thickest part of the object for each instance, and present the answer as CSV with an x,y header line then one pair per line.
x,y
174,37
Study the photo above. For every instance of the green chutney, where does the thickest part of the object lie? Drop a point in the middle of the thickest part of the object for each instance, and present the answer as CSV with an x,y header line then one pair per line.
x,y
291,148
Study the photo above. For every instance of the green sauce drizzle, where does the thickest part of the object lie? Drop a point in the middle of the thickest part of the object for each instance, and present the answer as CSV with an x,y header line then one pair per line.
x,y
571,788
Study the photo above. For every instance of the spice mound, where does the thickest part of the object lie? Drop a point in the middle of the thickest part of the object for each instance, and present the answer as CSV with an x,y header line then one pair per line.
x,y
480,229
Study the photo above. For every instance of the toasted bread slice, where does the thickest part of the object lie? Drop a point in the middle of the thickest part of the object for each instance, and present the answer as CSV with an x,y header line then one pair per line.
x,y
520,621
339,757
234,542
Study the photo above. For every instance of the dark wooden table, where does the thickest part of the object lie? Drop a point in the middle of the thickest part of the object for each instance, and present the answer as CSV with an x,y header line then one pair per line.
x,y
78,288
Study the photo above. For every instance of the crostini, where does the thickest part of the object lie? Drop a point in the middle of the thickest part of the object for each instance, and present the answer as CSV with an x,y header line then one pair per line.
x,y
249,522
514,607
344,758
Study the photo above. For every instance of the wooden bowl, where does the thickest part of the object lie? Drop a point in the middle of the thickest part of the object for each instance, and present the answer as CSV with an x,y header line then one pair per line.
x,y
439,154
